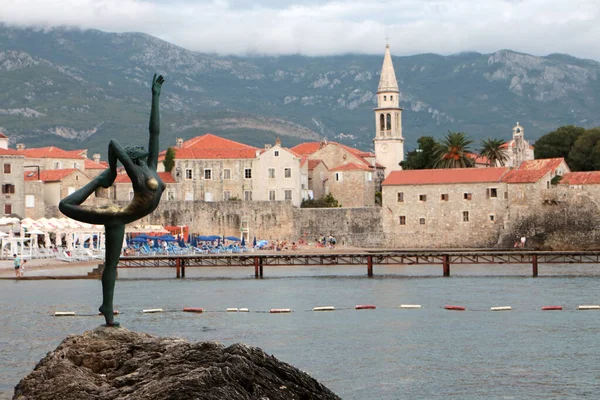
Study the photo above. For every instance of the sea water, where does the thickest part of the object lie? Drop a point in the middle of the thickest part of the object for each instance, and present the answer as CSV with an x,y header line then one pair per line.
x,y
386,353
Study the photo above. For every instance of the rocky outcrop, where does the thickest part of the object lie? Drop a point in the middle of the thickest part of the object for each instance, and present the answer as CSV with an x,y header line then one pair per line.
x,y
115,363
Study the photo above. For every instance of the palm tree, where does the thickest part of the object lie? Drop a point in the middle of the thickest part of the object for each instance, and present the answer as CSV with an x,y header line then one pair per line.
x,y
455,152
495,152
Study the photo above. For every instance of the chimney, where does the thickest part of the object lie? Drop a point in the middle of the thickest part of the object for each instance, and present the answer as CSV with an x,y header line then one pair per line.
x,y
96,158
179,143
267,146
20,146
278,142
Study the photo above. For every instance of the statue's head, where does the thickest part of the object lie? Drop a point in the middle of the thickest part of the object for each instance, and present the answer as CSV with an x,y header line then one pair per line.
x,y
136,153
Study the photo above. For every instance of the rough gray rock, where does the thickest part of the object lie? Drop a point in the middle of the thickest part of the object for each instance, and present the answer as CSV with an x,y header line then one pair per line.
x,y
115,363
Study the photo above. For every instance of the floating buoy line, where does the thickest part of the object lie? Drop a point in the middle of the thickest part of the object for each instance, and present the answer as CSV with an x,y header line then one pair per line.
x,y
199,310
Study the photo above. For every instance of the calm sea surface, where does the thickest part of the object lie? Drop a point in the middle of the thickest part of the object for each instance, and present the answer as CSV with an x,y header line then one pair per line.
x,y
387,353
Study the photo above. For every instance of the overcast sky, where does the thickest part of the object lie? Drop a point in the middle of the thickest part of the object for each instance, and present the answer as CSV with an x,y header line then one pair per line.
x,y
324,27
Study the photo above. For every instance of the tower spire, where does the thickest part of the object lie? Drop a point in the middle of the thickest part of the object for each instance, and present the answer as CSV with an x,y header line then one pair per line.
x,y
387,80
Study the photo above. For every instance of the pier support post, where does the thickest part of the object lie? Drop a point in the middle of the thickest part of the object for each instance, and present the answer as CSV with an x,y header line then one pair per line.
x,y
256,267
182,262
534,264
260,267
446,264
370,266
178,267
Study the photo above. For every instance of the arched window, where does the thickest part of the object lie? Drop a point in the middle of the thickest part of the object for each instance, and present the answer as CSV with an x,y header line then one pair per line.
x,y
391,98
382,122
389,122
384,98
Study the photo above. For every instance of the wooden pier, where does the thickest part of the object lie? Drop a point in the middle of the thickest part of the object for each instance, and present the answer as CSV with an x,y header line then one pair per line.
x,y
370,259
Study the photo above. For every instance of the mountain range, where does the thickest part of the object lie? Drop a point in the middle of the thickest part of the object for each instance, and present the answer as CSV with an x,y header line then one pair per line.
x,y
79,88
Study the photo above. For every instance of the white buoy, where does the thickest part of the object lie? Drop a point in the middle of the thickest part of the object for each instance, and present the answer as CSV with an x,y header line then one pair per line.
x,y
243,310
588,307
503,308
324,308
280,310
410,306
232,309
64,314
152,310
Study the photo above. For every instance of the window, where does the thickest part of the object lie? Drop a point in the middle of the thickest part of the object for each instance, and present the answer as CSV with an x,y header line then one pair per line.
x,y
30,201
402,220
492,217
388,125
422,221
208,196
276,153
287,172
7,209
7,168
492,193
547,184
76,165
391,98
208,174
8,188
189,196
248,195
170,195
467,196
465,215
288,194
369,176
338,176
271,173
271,195
422,197
188,174
248,173
505,195
444,197
227,174
384,98
400,197
382,122
226,195
57,165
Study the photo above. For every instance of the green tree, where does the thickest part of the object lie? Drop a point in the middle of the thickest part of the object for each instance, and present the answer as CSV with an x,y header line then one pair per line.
x,y
424,157
585,153
558,143
455,151
326,202
494,151
169,161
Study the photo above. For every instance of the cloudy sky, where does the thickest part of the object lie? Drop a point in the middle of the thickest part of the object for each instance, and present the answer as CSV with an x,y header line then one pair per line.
x,y
324,27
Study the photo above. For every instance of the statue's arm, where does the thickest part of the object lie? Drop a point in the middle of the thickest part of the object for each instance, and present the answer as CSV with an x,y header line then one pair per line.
x,y
153,145
118,153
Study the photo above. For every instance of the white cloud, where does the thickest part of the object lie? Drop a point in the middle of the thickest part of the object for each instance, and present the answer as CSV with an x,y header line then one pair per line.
x,y
331,27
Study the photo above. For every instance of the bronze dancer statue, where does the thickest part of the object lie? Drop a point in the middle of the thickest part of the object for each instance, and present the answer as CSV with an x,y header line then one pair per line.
x,y
147,186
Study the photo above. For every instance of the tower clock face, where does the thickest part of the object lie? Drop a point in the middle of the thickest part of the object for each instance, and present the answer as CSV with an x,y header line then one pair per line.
x,y
384,148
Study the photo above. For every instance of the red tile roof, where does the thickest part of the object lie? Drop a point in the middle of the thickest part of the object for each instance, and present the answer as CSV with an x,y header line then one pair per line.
x,y
444,176
351,167
312,164
309,148
3,136
533,170
210,146
581,178
166,177
9,152
50,175
90,164
545,163
50,152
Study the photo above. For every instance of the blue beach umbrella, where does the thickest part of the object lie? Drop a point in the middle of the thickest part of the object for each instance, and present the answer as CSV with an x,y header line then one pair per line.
x,y
243,242
194,241
254,242
233,238
156,245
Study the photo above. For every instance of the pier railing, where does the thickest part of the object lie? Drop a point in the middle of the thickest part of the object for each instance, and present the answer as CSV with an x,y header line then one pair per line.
x,y
368,258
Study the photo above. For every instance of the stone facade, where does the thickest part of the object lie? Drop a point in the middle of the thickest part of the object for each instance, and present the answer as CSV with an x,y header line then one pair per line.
x,y
13,194
352,187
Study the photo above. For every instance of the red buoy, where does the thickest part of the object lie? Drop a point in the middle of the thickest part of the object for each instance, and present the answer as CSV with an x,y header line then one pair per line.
x,y
455,308
365,307
196,310
551,308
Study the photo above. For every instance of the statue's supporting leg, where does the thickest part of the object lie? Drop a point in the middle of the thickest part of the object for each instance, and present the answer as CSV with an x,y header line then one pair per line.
x,y
114,242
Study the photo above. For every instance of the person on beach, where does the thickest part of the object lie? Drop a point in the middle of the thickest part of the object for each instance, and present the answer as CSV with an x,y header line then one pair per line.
x,y
140,166
19,265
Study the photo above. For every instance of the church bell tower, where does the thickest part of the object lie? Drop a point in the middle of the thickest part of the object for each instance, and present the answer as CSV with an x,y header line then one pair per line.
x,y
389,143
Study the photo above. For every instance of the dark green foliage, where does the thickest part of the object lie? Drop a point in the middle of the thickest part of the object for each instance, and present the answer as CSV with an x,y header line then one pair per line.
x,y
378,198
493,150
169,161
326,202
455,151
585,153
424,157
558,143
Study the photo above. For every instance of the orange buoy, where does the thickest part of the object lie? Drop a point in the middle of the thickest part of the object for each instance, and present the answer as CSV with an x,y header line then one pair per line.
x,y
365,307
454,308
551,308
196,310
